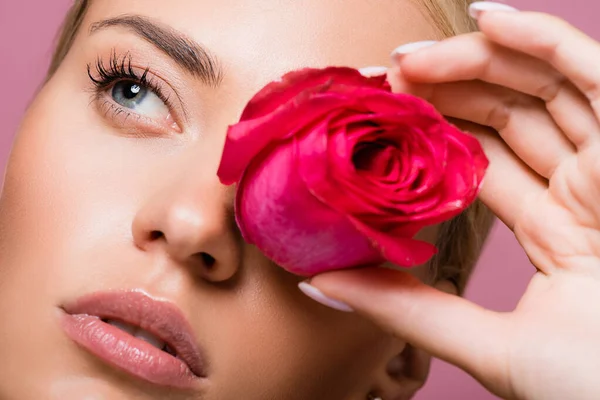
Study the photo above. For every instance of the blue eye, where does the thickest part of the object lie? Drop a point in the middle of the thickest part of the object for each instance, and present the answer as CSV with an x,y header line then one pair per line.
x,y
139,98
128,94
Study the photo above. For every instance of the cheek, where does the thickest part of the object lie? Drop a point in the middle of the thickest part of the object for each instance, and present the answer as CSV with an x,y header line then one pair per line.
x,y
304,356
69,186
298,349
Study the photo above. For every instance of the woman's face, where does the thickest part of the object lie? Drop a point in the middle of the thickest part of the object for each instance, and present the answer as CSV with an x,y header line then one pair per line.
x,y
111,195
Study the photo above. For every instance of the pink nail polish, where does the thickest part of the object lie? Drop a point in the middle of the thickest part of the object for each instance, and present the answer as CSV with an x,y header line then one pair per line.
x,y
319,297
478,7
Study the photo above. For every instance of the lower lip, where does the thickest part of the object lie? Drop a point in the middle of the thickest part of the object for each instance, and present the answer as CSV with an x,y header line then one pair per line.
x,y
128,353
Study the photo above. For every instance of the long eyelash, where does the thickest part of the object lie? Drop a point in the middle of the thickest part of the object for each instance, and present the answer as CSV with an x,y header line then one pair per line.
x,y
120,69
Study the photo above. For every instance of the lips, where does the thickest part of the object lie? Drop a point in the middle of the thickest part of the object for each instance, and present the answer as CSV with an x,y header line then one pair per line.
x,y
150,339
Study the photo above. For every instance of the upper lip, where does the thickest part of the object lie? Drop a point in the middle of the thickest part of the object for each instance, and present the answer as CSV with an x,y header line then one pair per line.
x,y
160,318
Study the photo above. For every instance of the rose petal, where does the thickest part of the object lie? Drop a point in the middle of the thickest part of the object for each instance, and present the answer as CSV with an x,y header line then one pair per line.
x,y
273,95
371,168
268,215
402,251
247,139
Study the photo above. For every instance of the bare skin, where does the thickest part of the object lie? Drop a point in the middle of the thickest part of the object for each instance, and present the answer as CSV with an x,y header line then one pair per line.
x,y
89,184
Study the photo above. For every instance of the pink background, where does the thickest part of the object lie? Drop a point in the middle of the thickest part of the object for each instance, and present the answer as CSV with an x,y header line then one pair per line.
x,y
27,28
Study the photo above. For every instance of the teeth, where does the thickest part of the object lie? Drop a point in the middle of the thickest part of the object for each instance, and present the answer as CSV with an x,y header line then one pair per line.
x,y
149,338
139,333
123,326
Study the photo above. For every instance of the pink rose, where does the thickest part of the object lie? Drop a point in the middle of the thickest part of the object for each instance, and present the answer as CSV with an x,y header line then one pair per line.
x,y
336,171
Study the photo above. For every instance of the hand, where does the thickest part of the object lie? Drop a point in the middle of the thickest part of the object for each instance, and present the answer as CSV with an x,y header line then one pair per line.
x,y
535,80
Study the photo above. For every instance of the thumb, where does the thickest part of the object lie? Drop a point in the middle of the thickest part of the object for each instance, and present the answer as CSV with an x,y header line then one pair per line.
x,y
444,325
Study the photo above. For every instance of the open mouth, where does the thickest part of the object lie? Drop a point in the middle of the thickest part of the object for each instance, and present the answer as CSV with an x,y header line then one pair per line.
x,y
147,338
142,334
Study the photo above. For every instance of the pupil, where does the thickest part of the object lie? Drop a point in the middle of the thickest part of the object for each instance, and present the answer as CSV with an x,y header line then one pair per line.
x,y
129,94
132,91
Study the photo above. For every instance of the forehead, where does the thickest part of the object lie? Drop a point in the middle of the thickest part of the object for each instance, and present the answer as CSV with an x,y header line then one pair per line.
x,y
279,35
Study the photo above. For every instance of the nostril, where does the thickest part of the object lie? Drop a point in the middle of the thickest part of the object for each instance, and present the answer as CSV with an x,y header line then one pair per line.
x,y
208,260
155,235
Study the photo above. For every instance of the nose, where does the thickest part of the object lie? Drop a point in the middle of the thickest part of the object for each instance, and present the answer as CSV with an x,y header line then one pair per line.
x,y
191,221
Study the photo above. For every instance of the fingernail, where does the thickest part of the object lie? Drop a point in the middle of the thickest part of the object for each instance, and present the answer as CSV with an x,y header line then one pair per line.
x,y
373,71
400,51
319,297
477,8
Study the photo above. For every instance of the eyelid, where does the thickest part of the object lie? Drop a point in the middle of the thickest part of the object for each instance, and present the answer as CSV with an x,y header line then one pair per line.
x,y
124,69
120,117
168,91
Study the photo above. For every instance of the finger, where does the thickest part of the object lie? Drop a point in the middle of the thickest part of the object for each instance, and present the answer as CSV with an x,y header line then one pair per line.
x,y
509,185
521,120
570,51
444,325
475,57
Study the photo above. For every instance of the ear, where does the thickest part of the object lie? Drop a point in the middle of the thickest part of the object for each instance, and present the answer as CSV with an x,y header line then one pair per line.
x,y
407,371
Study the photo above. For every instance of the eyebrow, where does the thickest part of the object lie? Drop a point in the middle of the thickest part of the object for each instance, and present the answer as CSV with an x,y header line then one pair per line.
x,y
185,52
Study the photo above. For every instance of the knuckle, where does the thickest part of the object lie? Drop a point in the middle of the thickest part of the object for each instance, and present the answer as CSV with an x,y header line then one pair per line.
x,y
482,58
551,90
500,114
592,93
498,117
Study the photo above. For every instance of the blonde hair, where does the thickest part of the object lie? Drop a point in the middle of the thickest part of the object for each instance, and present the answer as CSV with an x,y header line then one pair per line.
x,y
450,17
460,240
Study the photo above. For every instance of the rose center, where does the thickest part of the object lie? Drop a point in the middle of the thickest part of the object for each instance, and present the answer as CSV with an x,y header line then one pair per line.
x,y
376,158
